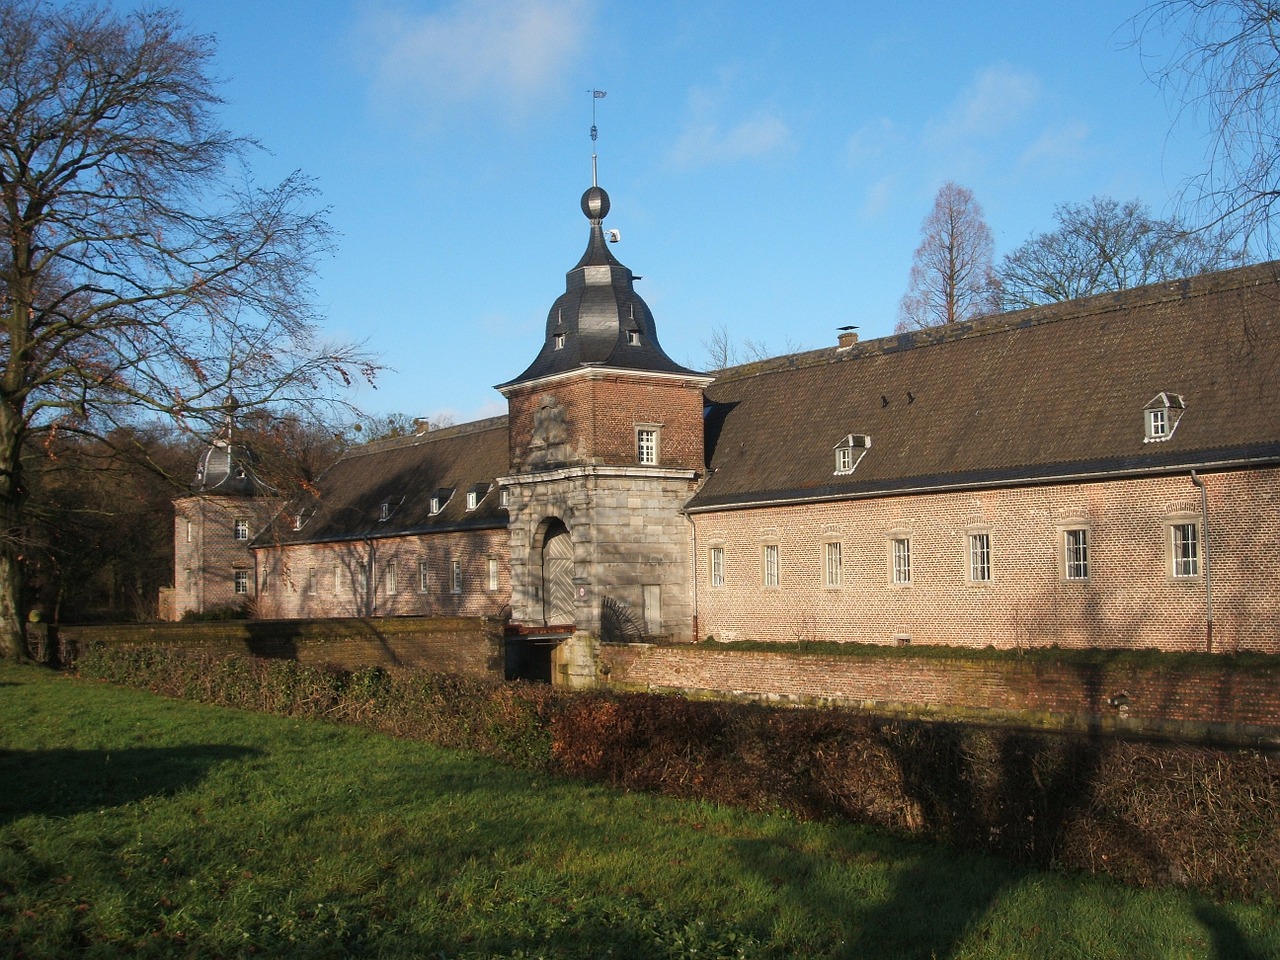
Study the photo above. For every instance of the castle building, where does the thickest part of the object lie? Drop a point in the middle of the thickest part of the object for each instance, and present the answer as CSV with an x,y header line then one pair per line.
x,y
1099,472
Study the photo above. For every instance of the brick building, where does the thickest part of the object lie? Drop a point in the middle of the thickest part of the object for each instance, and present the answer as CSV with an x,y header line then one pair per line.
x,y
1099,472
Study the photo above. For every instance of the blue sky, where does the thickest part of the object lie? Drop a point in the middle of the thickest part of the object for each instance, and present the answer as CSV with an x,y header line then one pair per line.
x,y
769,165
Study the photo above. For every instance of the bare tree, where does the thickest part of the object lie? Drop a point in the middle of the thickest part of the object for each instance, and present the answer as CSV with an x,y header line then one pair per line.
x,y
723,352
951,277
1106,245
142,269
1224,71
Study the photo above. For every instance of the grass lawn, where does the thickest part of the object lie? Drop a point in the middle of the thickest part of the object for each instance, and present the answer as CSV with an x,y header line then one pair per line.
x,y
136,826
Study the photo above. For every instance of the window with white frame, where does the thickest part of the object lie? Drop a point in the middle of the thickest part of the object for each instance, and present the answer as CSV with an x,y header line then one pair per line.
x,y
389,577
558,340
1184,549
423,577
850,451
242,528
493,573
980,557
647,445
1161,416
504,498
190,531
242,582
472,499
384,511
1075,553
769,564
900,560
833,563
715,566
455,577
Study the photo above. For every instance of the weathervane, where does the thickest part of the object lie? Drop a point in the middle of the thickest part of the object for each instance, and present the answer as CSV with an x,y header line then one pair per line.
x,y
595,95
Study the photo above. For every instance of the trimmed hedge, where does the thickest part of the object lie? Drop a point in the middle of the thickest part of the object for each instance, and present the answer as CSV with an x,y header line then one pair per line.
x,y
1143,812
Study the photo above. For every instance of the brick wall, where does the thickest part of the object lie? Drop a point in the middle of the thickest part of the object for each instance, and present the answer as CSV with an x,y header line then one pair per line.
x,y
332,579
1129,599
469,646
1037,691
601,412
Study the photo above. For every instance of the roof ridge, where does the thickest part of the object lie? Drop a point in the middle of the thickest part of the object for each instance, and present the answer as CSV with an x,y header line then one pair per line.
x,y
1111,301
430,436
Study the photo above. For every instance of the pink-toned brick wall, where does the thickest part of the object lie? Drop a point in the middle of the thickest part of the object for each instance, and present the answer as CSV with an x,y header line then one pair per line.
x,y
207,554
331,579
1130,598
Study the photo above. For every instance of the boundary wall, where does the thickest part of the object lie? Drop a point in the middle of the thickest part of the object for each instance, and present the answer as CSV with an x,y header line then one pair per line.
x,y
472,646
1197,702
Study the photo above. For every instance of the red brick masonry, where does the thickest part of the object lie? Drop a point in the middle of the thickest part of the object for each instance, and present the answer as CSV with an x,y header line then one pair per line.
x,y
1039,693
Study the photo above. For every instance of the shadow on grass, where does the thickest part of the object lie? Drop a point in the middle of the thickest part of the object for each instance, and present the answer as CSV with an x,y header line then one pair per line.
x,y
65,782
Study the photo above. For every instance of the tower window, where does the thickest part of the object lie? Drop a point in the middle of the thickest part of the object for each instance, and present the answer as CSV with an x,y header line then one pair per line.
x,y
558,340
647,445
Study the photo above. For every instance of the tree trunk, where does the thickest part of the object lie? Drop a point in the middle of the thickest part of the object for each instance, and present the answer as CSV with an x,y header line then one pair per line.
x,y
13,643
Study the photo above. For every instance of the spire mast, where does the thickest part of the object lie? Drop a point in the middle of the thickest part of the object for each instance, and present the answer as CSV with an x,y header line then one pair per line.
x,y
595,95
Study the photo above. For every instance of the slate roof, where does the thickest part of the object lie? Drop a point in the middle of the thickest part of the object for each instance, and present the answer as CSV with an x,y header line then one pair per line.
x,y
404,473
598,313
1039,395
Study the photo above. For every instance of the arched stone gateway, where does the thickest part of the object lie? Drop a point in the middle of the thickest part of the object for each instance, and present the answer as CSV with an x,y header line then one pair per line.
x,y
556,551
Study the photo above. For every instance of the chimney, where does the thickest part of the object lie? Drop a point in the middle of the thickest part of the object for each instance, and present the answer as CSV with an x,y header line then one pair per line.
x,y
847,338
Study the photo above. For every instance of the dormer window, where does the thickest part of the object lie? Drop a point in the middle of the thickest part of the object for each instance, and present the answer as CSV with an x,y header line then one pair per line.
x,y
850,451
504,498
633,337
476,494
558,340
440,499
472,500
1161,416
384,511
298,520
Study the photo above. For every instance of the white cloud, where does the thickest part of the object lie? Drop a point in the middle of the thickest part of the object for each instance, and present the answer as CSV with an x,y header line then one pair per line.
x,y
505,51
1059,145
871,140
999,97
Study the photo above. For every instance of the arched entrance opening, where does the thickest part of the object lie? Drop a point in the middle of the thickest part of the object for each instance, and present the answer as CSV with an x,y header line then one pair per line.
x,y
556,563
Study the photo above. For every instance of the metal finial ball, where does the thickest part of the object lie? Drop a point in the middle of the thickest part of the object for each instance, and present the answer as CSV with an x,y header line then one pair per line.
x,y
595,203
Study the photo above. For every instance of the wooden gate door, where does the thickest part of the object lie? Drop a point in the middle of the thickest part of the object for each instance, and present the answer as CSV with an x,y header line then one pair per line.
x,y
557,576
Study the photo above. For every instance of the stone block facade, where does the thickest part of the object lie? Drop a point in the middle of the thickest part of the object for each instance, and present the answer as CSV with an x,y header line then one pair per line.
x,y
1129,594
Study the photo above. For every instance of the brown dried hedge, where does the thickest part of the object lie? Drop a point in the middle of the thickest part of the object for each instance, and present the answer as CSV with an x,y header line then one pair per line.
x,y
1144,812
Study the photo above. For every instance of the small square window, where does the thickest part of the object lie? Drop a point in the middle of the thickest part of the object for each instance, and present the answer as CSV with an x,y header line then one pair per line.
x,y
979,557
715,564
